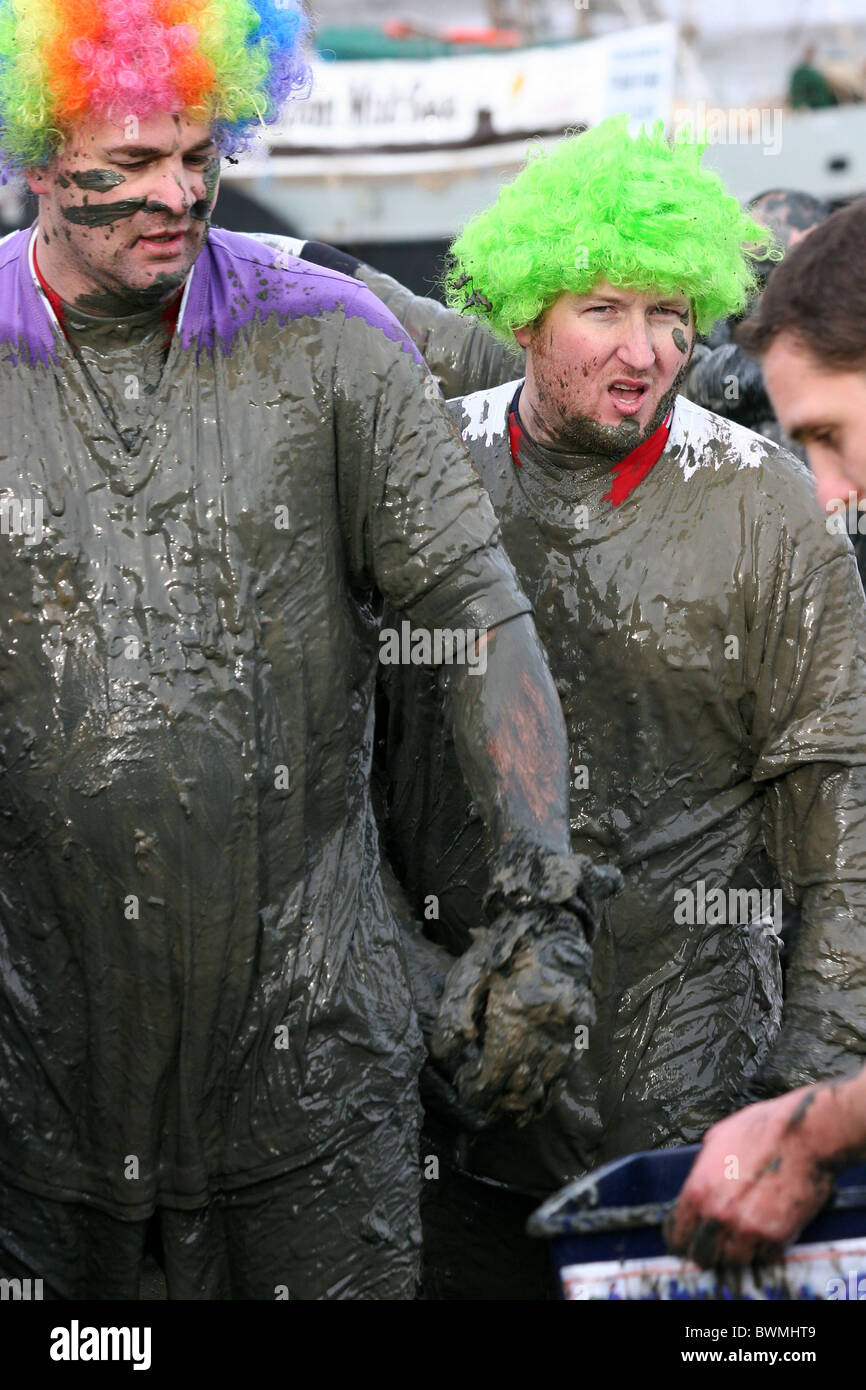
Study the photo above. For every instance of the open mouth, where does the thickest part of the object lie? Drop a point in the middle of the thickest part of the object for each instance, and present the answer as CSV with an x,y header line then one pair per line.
x,y
627,396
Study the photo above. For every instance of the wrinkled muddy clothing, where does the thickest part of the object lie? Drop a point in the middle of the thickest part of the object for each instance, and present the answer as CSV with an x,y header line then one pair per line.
x,y
460,352
297,1236
708,641
203,986
726,380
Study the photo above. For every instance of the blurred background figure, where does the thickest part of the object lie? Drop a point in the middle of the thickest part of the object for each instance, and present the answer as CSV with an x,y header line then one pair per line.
x,y
809,86
722,377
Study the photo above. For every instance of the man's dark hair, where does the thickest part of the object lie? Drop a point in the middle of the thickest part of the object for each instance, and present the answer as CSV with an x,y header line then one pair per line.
x,y
818,294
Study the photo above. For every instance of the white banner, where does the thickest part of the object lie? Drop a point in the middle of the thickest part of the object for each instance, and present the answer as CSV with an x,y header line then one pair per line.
x,y
436,100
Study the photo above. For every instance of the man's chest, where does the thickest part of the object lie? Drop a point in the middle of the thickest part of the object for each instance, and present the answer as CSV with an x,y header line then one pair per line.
x,y
644,609
170,562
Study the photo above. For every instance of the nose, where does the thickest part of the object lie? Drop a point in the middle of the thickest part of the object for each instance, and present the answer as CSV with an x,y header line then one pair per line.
x,y
831,483
636,349
175,189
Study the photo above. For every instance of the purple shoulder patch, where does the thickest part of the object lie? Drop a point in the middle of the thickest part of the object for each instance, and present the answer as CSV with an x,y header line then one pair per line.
x,y
238,280
25,323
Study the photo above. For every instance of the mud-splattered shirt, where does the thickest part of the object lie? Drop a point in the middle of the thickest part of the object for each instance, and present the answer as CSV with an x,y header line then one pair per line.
x,y
708,641
202,984
458,348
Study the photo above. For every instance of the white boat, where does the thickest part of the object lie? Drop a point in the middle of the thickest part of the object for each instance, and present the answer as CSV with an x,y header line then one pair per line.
x,y
409,149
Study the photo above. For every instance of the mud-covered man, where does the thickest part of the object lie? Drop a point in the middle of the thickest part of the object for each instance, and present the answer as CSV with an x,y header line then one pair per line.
x,y
206,1021
810,338
706,635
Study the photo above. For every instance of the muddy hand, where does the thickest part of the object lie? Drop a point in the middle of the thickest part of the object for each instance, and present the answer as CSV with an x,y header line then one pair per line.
x,y
755,1183
515,1005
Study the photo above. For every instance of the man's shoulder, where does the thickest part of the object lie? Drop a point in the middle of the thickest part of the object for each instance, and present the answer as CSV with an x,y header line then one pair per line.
x,y
703,442
482,417
267,273
24,320
770,487
12,245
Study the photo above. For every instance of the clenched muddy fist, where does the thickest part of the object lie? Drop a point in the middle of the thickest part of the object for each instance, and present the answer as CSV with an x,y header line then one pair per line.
x,y
517,1019
518,1003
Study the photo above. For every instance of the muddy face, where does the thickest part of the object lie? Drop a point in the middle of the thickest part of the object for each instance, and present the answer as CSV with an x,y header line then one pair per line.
x,y
603,368
124,211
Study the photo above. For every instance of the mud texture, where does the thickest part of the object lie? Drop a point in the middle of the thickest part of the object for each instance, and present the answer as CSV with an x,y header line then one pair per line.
x,y
518,996
201,970
94,180
707,639
680,340
460,352
103,214
521,989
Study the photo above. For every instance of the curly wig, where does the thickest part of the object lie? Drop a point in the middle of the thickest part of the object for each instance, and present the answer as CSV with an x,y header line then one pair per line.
x,y
637,211
232,63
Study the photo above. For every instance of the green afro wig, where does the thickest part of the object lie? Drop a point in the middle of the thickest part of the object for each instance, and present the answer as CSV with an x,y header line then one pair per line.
x,y
637,211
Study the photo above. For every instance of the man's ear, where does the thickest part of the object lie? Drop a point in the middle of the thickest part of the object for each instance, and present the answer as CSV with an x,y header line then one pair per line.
x,y
37,181
523,335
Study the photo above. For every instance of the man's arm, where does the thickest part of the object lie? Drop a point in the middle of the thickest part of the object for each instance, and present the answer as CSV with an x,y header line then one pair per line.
x,y
419,527
459,349
786,1153
511,738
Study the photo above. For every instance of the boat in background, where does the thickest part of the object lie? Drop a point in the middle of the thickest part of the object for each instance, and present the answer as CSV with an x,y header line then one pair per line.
x,y
398,149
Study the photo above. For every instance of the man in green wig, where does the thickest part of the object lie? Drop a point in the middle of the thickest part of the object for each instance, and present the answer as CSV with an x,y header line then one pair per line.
x,y
706,634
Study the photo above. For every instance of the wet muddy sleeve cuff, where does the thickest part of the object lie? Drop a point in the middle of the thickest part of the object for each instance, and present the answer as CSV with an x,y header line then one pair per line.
x,y
479,593
525,877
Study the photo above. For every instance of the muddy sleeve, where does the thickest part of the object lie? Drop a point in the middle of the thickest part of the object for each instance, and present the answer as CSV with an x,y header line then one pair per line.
x,y
459,350
809,725
417,524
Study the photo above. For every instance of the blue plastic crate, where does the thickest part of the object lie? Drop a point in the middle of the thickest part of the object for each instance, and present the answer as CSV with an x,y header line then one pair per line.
x,y
607,1240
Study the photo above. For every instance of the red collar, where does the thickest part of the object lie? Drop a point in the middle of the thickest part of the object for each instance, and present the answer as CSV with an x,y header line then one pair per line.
x,y
627,473
169,314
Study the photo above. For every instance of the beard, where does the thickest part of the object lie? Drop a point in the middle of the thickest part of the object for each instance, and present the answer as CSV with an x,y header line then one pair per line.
x,y
581,434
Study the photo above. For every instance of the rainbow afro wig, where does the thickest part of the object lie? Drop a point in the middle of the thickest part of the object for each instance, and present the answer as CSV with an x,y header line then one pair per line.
x,y
232,63
637,211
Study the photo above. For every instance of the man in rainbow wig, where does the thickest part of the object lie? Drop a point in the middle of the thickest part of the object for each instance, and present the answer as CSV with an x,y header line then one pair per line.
x,y
707,637
215,461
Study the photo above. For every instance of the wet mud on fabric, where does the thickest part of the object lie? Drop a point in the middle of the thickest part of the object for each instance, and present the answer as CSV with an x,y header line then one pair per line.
x,y
306,1235
459,350
707,639
189,860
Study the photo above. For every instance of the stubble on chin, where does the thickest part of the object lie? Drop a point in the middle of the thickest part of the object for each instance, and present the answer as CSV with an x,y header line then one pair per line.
x,y
124,288
582,434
